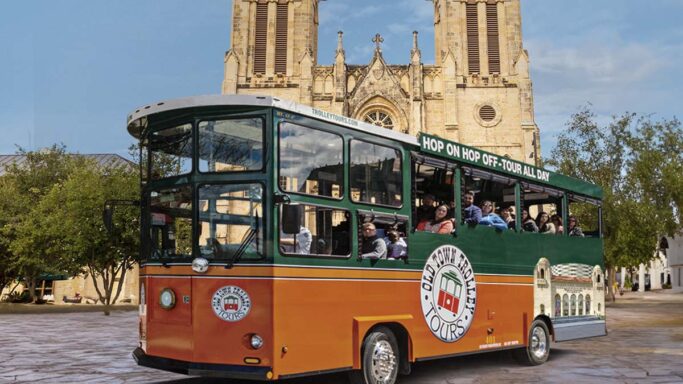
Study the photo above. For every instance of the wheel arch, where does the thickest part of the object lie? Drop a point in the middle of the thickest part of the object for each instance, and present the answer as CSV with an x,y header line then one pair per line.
x,y
403,339
548,323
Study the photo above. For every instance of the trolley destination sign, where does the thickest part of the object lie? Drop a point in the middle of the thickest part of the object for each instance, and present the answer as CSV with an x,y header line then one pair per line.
x,y
465,154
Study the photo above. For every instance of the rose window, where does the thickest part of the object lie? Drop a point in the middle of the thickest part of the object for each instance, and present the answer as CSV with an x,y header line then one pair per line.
x,y
380,119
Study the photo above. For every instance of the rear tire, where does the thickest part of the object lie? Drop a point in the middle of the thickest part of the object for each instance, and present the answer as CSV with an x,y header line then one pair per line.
x,y
538,345
380,359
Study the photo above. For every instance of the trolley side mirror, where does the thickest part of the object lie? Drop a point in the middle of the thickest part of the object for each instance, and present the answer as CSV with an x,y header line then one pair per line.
x,y
291,218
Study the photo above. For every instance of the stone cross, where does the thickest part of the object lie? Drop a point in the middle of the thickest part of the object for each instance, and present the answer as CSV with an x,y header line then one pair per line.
x,y
378,40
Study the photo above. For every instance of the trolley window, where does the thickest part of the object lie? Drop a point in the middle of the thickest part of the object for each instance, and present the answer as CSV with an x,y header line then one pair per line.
x,y
171,151
320,231
311,161
231,145
376,174
231,220
170,220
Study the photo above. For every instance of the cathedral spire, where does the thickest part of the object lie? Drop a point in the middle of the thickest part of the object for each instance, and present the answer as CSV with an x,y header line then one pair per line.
x,y
415,50
340,44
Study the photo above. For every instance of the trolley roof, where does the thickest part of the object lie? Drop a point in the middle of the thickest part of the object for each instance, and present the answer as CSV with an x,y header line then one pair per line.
x,y
136,120
434,145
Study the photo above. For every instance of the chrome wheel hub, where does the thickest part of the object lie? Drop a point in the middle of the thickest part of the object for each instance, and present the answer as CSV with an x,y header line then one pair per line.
x,y
383,362
539,343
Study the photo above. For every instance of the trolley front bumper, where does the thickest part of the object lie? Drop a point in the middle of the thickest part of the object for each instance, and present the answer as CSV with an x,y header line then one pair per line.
x,y
201,369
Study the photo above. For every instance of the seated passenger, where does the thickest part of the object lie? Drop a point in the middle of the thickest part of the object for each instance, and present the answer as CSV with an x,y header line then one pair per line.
x,y
396,246
426,210
574,229
507,217
544,224
373,247
528,224
441,223
557,222
451,210
472,212
489,218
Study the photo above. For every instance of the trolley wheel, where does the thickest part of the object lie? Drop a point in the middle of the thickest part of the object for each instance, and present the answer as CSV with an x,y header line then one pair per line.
x,y
538,347
380,359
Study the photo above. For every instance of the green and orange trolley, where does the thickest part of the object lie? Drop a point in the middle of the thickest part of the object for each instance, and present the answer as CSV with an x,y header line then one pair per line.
x,y
251,213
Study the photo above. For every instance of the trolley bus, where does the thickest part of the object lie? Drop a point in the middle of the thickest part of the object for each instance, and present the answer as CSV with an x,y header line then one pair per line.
x,y
252,248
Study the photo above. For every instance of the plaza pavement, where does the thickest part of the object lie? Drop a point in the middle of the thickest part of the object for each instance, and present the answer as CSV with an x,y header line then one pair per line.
x,y
644,345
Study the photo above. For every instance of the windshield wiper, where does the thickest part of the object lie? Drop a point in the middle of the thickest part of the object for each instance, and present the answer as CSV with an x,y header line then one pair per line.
x,y
250,236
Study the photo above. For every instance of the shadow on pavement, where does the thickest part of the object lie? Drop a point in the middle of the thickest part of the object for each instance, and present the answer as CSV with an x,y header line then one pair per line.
x,y
449,366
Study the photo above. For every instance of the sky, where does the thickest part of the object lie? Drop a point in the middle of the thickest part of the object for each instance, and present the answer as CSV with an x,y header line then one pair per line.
x,y
71,70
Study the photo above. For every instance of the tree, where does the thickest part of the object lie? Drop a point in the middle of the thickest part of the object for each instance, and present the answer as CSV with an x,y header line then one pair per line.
x,y
24,185
7,272
85,244
639,165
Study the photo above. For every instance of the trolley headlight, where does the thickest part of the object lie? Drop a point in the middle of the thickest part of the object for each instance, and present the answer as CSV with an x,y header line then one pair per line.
x,y
256,341
167,298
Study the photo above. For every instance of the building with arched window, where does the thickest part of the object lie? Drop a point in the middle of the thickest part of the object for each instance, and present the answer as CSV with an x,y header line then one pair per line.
x,y
478,91
567,289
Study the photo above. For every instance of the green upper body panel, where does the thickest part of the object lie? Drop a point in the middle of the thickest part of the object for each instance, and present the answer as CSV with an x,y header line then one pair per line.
x,y
489,251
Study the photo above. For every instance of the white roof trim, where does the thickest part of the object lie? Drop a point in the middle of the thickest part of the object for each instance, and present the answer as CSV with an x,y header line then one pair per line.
x,y
134,119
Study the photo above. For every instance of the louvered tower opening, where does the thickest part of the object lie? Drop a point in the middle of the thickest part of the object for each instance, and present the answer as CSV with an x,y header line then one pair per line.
x,y
261,37
472,38
493,38
281,38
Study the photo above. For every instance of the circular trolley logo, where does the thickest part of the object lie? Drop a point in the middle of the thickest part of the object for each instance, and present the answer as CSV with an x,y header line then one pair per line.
x,y
231,303
448,293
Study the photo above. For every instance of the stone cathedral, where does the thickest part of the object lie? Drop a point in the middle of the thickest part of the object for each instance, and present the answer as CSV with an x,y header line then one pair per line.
x,y
478,91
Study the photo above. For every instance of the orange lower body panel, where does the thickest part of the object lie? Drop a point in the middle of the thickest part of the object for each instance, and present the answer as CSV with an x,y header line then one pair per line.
x,y
311,323
314,320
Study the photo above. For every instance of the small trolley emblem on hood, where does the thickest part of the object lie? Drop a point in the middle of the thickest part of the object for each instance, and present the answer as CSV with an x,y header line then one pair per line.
x,y
231,303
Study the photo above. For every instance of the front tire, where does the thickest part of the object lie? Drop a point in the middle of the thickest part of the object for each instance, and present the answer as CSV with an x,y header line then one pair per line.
x,y
538,346
380,359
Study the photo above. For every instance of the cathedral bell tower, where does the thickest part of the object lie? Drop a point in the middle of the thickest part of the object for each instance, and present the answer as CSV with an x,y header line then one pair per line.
x,y
478,44
274,46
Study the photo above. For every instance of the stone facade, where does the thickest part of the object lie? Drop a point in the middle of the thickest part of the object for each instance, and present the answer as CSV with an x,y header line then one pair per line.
x,y
665,268
84,286
674,254
54,291
478,92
